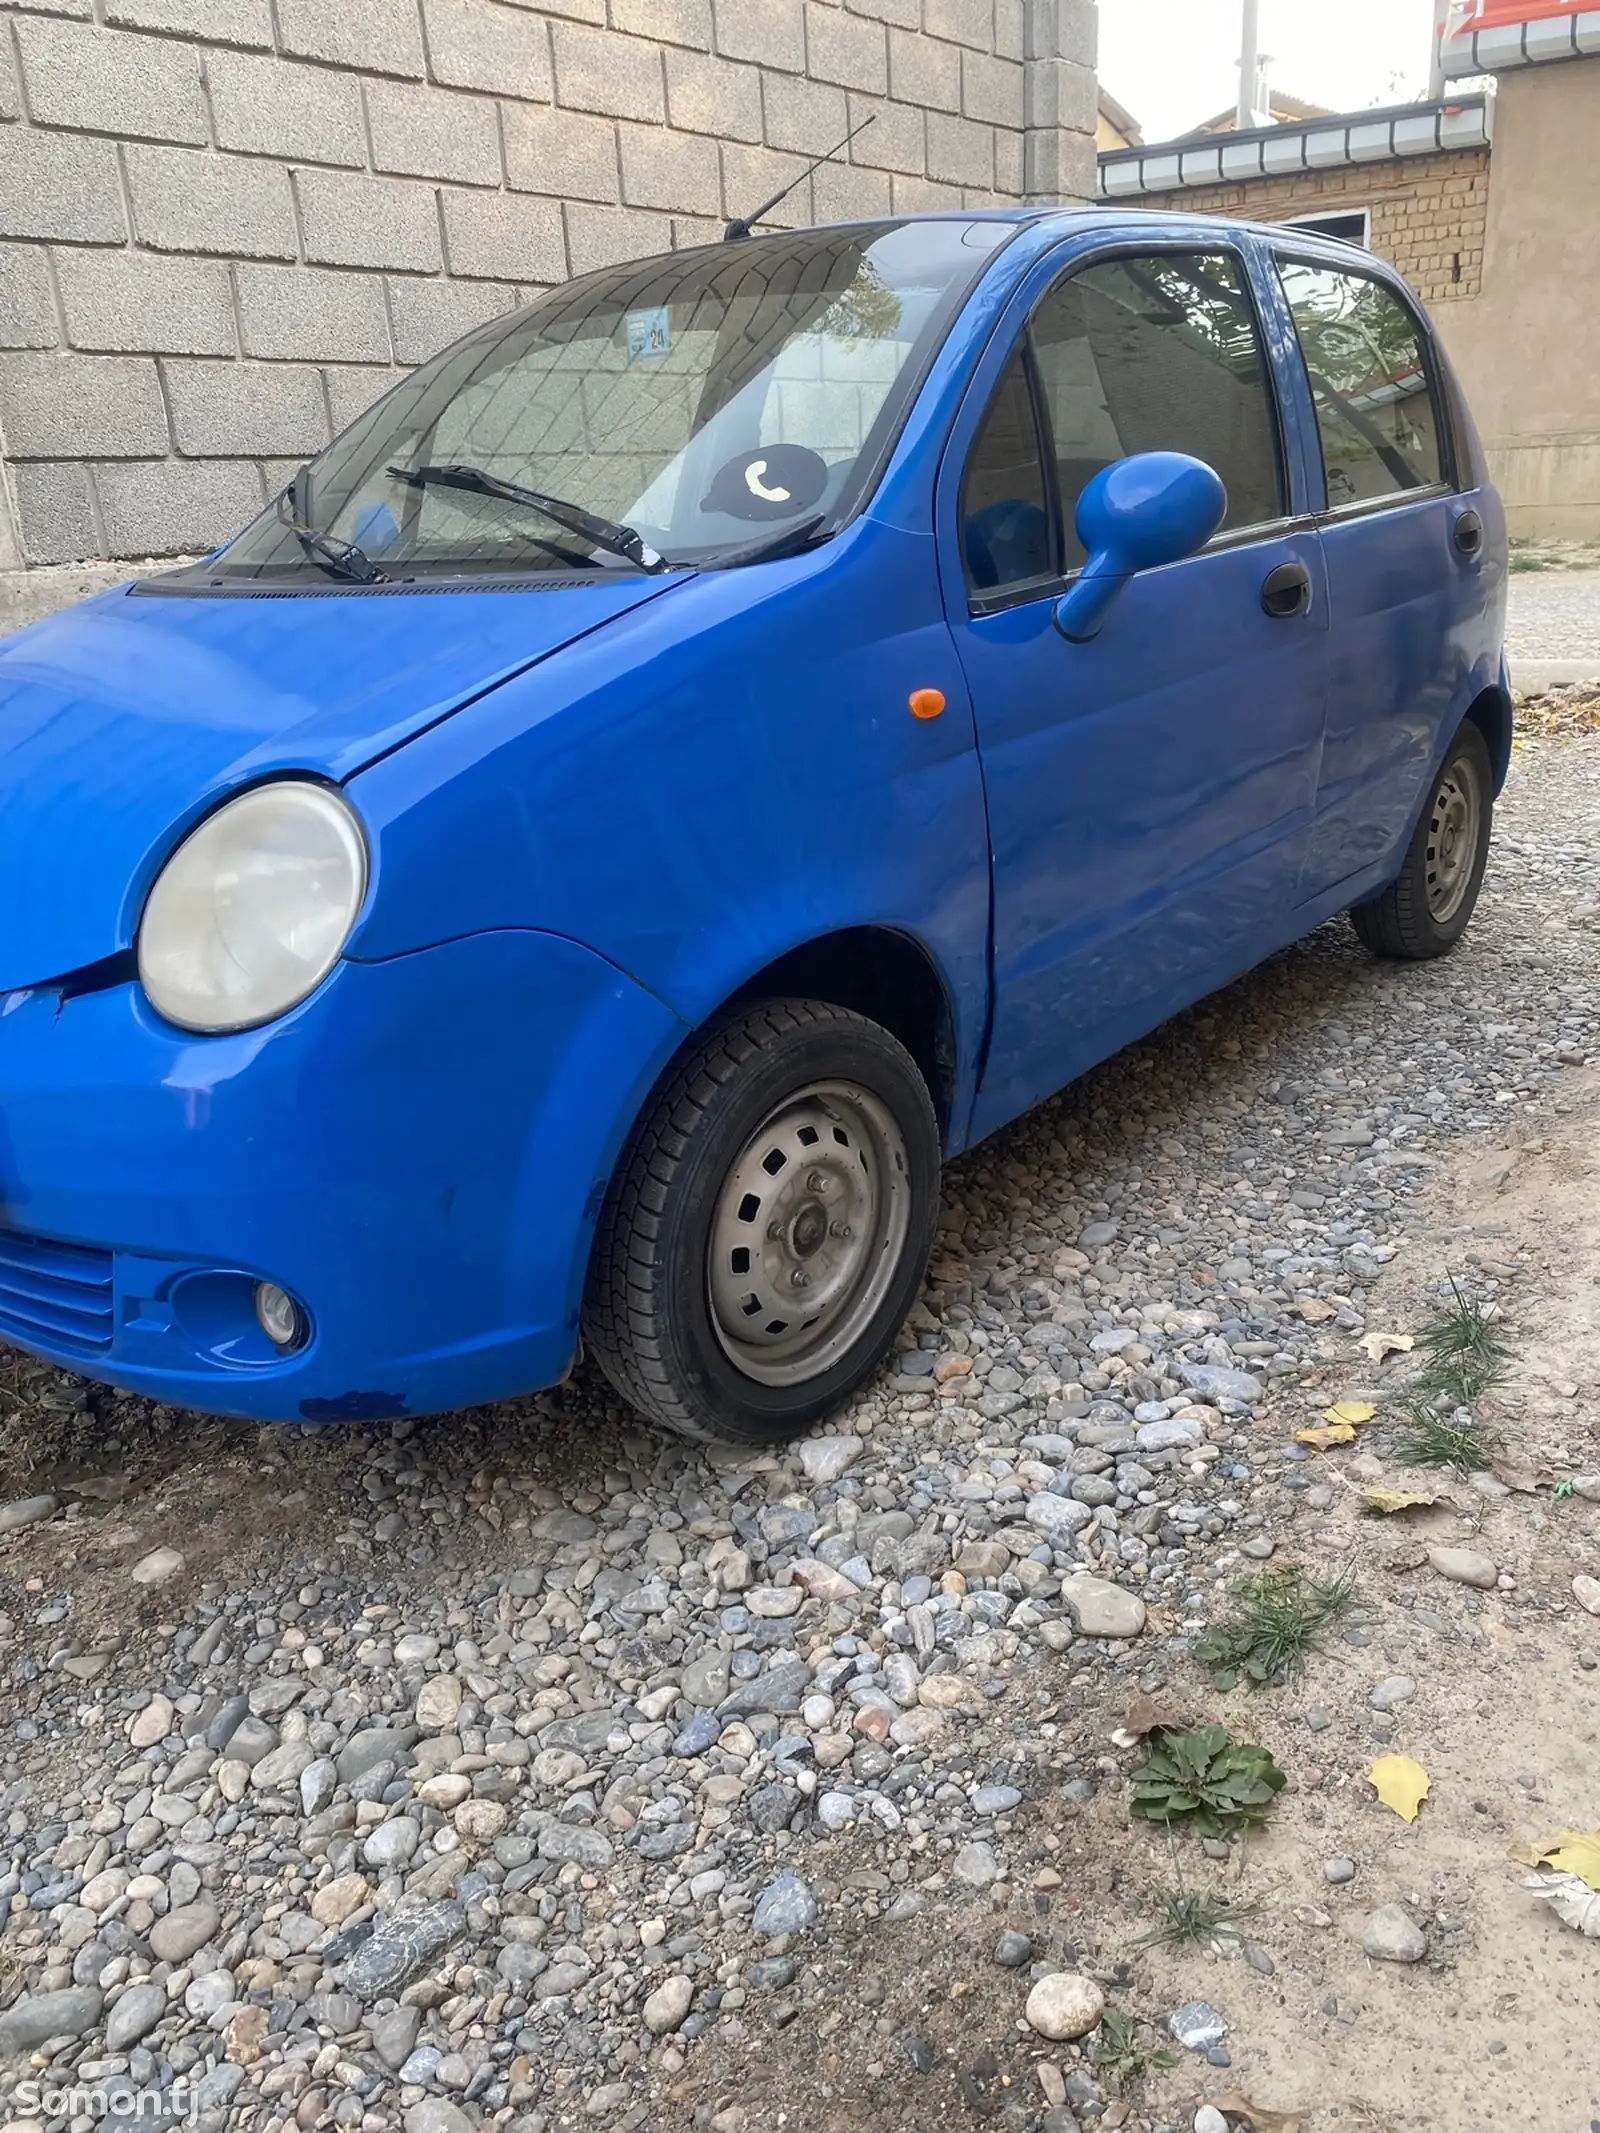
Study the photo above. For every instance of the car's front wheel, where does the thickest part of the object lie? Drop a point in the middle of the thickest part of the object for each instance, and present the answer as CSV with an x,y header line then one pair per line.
x,y
1427,909
766,1231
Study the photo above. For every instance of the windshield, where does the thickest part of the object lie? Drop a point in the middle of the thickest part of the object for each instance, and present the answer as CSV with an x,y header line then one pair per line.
x,y
682,410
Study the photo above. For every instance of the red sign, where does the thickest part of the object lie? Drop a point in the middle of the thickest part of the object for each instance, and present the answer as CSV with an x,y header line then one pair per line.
x,y
1472,15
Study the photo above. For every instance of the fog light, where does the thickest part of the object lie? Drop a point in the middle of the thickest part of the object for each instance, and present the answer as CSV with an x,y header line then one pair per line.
x,y
281,1318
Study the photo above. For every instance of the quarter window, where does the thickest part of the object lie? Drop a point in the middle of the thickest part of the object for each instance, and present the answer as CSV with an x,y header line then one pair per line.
x,y
1159,353
1376,409
1005,513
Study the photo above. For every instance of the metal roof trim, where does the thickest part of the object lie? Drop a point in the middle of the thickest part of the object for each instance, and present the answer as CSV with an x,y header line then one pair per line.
x,y
1522,44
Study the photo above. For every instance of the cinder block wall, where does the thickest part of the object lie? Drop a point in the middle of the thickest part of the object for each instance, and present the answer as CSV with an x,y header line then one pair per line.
x,y
227,225
1429,213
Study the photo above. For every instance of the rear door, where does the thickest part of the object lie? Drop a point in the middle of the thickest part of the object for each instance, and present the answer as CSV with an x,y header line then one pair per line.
x,y
1404,548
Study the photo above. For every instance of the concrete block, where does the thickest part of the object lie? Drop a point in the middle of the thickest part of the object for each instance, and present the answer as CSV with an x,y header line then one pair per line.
x,y
104,81
55,513
312,314
671,170
142,303
923,196
896,139
54,185
1058,167
376,36
710,95
693,230
246,23
271,107
620,76
10,87
569,10
991,90
969,22
805,116
428,315
923,71
851,50
474,44
960,151
185,200
246,410
1060,94
601,236
352,390
75,10
81,407
752,175
678,22
904,14
175,506
771,32
565,154
842,193
1011,28
368,222
1061,29
504,237
1009,177
27,309
433,133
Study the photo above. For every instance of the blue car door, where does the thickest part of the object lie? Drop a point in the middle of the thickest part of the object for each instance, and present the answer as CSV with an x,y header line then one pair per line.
x,y
1150,792
1405,559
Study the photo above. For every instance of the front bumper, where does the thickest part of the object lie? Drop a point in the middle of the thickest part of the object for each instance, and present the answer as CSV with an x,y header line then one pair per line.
x,y
417,1154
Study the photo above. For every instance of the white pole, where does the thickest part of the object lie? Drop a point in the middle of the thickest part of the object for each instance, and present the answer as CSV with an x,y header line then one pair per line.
x,y
1436,56
1249,65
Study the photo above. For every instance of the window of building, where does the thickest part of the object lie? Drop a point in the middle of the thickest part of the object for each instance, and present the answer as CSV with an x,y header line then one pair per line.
x,y
1355,227
1377,410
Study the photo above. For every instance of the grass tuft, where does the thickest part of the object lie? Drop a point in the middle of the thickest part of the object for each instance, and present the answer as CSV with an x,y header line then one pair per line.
x,y
1191,1918
1121,2054
1464,1350
1454,1440
1276,1622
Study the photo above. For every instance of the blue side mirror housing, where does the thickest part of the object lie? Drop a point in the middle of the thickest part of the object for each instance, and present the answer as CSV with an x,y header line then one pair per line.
x,y
1154,508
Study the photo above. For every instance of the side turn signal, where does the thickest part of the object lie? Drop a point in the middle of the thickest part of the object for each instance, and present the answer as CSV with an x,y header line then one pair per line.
x,y
926,703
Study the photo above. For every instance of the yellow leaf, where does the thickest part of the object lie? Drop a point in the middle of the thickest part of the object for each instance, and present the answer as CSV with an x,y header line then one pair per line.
x,y
1401,1784
1352,1411
1573,1853
1380,1345
1388,1501
1322,1440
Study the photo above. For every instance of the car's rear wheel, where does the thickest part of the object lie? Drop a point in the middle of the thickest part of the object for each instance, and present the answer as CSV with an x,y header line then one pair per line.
x,y
766,1231
1428,908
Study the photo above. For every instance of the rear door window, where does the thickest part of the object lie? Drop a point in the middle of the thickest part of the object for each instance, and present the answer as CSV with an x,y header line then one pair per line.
x,y
1377,402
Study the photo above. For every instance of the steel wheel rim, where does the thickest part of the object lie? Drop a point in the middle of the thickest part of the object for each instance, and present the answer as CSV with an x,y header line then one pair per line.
x,y
1455,822
821,1190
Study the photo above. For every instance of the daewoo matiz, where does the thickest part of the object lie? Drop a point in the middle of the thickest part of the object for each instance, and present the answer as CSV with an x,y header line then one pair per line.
x,y
698,751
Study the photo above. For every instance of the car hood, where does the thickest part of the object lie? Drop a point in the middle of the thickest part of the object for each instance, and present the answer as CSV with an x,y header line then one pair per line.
x,y
125,719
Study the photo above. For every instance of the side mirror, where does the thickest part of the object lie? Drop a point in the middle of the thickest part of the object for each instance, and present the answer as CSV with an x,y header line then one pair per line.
x,y
1154,508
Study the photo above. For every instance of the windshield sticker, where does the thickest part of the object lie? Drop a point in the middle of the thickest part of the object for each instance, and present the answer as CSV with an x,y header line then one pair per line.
x,y
649,332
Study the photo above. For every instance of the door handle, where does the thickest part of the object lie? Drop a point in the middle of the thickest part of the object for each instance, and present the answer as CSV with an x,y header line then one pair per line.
x,y
1287,591
1467,533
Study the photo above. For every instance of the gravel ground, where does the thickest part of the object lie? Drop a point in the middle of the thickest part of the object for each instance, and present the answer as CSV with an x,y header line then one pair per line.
x,y
522,1769
1554,614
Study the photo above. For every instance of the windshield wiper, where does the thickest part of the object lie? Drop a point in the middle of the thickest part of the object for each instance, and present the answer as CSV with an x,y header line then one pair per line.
x,y
793,540
604,532
343,558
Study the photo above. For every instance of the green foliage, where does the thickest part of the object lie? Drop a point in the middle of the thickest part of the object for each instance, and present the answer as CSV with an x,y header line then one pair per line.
x,y
1452,1440
1465,1353
1205,1781
1120,2052
1191,1918
1275,1623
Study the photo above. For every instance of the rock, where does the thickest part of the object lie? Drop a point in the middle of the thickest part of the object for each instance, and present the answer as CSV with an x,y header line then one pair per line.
x,y
667,2007
392,1843
1389,1936
1101,1609
1339,1870
1464,1566
338,1900
365,1750
48,2014
436,2114
824,1459
283,1766
572,1844
153,1723
995,1799
1213,1383
1013,1950
134,2015
976,1865
439,1703
1064,2005
25,1511
1398,1688
185,1931
1170,1436
403,1943
157,1568
1197,2026
1208,2119
1586,1591
786,1905
1058,1514
394,2035
950,1692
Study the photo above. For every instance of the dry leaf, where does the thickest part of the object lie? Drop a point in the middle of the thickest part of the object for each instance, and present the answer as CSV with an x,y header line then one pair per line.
x,y
1380,1345
1401,1783
1323,1440
1388,1501
1516,1474
1572,1900
1257,2117
1148,1714
1571,1853
1314,1311
1355,1412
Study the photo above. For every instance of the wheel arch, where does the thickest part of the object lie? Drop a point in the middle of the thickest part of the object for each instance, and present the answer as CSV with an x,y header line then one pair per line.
x,y
1490,711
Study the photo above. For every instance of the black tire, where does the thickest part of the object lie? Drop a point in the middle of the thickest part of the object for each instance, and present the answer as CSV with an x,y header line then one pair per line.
x,y
649,1314
1413,919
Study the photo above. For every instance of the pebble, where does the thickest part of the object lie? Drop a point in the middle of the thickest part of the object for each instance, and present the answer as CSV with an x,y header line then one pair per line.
x,y
1464,1566
1013,1949
25,1511
1064,2005
1397,1689
1339,1870
1208,2119
1389,1936
48,2014
1586,1591
1101,1609
159,1567
1197,2026
185,1931
667,2008
786,1905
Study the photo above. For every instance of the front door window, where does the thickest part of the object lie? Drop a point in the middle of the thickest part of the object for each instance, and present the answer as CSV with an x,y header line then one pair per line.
x,y
1377,413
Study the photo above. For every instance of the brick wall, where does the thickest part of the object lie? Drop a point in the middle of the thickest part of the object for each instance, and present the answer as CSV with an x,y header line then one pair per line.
x,y
226,225
1428,213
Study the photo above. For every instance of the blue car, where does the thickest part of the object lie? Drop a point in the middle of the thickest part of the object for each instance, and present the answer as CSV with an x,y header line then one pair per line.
x,y
702,750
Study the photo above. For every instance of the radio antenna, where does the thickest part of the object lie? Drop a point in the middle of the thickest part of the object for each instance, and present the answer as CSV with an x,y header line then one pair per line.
x,y
742,228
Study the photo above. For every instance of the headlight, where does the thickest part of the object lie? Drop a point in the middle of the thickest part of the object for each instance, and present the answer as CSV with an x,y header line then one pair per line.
x,y
251,911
